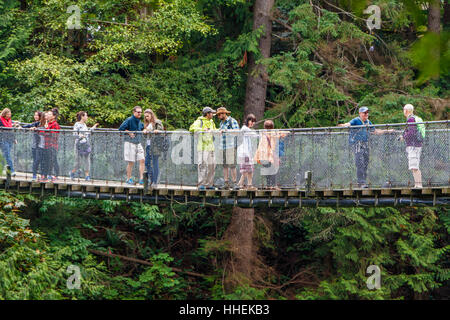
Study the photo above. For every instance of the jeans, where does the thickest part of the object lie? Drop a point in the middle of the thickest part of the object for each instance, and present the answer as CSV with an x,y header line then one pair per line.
x,y
82,161
6,146
50,162
37,159
152,165
361,161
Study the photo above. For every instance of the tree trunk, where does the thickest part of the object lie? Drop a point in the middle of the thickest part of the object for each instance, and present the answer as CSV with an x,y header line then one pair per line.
x,y
243,263
240,236
255,96
434,16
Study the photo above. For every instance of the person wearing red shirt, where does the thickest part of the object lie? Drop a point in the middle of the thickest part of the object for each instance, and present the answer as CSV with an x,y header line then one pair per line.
x,y
7,138
51,145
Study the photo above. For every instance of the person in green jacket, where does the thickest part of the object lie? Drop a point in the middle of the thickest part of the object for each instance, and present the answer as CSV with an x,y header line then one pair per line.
x,y
205,148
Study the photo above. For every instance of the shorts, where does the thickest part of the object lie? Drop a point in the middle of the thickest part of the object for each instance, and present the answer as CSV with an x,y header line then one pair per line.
x,y
246,166
229,158
133,152
413,157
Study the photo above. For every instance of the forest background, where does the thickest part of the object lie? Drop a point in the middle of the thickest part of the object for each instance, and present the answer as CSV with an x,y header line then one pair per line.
x,y
303,63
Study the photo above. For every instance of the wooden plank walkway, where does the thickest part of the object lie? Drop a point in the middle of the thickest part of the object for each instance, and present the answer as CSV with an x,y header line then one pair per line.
x,y
23,181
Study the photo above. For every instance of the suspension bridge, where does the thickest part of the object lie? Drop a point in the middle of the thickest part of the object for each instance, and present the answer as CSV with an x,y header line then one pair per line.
x,y
316,169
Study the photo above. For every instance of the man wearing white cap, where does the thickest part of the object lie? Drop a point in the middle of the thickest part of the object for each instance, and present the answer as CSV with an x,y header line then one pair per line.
x,y
413,135
359,142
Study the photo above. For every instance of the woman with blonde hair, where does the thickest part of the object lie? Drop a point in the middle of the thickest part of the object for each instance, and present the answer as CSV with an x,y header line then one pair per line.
x,y
267,154
154,144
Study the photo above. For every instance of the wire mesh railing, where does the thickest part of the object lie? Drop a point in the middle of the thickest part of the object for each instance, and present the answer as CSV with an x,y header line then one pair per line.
x,y
274,158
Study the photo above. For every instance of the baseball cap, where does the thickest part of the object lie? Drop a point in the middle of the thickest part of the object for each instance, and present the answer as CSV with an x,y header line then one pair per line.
x,y
208,110
363,109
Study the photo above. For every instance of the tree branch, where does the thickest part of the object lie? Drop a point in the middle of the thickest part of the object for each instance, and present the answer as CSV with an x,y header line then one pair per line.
x,y
106,254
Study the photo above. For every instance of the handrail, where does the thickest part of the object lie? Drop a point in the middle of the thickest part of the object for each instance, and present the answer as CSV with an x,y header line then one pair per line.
x,y
109,130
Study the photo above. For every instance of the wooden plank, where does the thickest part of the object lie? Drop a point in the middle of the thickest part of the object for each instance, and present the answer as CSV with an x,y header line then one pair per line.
x,y
119,189
427,191
62,186
104,189
178,192
195,193
211,193
35,184
387,192
329,193
293,193
133,190
50,185
368,192
406,191
24,184
260,193
163,192
242,193
75,187
276,193
445,190
225,193
348,192
90,188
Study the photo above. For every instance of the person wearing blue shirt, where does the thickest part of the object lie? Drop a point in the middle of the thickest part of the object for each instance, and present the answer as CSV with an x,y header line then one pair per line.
x,y
359,142
228,145
133,150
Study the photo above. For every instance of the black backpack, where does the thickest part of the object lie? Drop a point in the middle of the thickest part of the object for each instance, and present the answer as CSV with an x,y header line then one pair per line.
x,y
161,142
83,147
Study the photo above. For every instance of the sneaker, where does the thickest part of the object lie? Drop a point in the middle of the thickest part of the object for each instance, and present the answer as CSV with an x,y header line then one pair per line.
x,y
141,181
43,178
210,188
130,181
34,178
72,175
201,188
13,174
364,186
236,186
53,178
88,178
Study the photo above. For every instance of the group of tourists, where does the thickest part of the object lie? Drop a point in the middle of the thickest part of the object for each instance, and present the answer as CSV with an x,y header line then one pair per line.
x,y
265,148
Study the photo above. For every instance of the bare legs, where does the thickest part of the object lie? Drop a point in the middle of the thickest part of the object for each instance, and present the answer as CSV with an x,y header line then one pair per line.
x,y
417,178
141,169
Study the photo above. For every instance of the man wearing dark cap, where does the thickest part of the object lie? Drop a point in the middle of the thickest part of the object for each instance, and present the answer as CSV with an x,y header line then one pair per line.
x,y
205,148
359,142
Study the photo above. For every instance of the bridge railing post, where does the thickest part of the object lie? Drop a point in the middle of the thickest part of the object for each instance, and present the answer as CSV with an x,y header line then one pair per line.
x,y
145,181
8,176
308,177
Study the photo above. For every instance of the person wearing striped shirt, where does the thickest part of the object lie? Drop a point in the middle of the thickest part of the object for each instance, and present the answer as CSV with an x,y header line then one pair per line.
x,y
228,145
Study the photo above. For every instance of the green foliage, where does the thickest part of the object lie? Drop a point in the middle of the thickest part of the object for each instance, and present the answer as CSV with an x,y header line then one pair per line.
x,y
402,243
176,57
